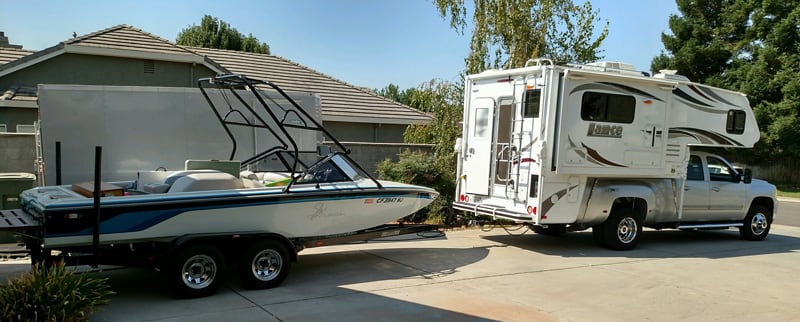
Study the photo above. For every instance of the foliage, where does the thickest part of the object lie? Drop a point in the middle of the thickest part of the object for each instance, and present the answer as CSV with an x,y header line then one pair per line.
x,y
507,33
749,46
215,33
52,294
421,169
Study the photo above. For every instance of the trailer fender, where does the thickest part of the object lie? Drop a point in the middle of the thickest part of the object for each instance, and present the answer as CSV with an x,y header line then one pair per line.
x,y
233,241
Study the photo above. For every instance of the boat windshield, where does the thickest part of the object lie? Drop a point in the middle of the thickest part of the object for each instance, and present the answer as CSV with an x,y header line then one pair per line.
x,y
333,168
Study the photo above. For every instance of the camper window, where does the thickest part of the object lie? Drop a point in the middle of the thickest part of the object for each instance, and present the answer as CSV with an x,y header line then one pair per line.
x,y
604,107
482,122
735,124
531,101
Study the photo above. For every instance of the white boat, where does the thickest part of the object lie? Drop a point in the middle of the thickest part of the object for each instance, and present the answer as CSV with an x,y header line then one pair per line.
x,y
292,198
278,201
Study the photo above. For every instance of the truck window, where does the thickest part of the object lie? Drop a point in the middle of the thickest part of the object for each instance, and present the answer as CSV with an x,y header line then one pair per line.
x,y
605,107
695,169
719,170
531,102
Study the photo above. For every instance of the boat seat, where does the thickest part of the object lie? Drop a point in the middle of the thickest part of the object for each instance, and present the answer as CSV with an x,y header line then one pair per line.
x,y
202,180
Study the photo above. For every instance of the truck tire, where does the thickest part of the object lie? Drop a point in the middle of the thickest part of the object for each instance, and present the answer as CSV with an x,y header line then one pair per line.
x,y
597,235
196,270
551,230
757,223
622,230
264,264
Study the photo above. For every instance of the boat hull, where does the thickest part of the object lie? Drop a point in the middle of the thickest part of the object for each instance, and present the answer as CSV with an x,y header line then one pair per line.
x,y
165,217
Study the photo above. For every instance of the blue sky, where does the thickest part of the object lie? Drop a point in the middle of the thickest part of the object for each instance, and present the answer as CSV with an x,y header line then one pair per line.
x,y
367,43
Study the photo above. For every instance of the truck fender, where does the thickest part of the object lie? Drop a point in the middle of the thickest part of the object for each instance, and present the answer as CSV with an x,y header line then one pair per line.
x,y
604,195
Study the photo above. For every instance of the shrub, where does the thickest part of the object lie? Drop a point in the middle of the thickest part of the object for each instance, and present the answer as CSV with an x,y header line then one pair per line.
x,y
52,293
422,169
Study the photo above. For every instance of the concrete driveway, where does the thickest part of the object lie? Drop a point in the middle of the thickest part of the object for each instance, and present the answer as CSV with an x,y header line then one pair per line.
x,y
474,275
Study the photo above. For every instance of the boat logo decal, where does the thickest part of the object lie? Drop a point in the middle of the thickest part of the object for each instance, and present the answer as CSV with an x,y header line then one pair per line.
x,y
320,211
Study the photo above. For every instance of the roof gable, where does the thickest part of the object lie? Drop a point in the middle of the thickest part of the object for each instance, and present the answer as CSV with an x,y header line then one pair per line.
x,y
118,41
340,100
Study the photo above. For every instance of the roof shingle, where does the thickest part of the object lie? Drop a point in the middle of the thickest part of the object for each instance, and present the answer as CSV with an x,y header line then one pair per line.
x,y
340,100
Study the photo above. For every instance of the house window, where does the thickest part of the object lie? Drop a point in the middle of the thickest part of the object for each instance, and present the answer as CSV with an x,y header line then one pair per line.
x,y
531,102
26,128
604,107
736,120
3,128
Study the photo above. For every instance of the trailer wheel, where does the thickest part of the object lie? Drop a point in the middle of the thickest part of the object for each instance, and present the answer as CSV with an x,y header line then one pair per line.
x,y
622,230
757,223
550,230
265,264
196,271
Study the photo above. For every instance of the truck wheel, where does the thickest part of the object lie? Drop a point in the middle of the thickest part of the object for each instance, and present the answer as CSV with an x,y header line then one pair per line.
x,y
757,223
622,230
265,264
550,230
196,271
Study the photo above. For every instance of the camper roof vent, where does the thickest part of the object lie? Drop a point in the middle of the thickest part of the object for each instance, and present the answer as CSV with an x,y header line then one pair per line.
x,y
670,74
612,66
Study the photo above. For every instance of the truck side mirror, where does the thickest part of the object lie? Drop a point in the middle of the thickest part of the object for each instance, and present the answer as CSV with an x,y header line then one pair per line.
x,y
747,177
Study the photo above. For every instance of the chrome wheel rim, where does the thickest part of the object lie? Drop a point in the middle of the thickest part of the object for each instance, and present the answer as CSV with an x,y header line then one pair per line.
x,y
266,265
759,224
199,271
626,231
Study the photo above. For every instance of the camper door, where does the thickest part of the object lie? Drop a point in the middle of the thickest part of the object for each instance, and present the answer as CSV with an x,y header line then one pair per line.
x,y
478,139
611,126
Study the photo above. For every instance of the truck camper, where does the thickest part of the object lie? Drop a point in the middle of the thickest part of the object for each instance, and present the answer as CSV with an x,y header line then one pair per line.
x,y
571,147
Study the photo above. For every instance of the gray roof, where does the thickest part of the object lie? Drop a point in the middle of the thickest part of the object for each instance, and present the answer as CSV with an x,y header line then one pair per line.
x,y
340,100
12,54
128,38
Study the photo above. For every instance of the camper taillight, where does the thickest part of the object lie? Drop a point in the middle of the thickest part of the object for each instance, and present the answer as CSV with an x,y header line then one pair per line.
x,y
463,198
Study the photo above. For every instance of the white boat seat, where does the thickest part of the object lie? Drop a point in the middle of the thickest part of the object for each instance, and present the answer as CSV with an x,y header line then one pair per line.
x,y
200,180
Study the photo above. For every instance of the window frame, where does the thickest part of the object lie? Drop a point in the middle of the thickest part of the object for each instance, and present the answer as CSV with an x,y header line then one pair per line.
x,y
611,111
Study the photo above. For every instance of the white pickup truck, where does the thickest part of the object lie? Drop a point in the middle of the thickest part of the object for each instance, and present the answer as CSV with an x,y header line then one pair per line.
x,y
715,196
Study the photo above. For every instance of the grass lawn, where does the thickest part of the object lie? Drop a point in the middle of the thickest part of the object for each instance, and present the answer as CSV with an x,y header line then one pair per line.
x,y
788,191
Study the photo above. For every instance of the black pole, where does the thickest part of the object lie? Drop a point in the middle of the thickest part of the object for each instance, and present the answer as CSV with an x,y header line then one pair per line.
x,y
96,194
58,163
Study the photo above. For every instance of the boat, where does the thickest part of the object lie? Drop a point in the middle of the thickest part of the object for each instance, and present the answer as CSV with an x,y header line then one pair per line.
x,y
276,191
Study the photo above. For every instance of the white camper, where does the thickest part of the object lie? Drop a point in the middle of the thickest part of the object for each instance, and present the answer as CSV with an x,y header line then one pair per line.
x,y
601,146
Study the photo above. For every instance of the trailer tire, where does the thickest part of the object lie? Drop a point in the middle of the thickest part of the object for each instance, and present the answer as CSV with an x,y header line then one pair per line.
x,y
196,270
551,230
264,264
757,223
622,230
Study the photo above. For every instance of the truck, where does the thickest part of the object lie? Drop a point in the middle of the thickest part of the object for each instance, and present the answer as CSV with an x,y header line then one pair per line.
x,y
570,147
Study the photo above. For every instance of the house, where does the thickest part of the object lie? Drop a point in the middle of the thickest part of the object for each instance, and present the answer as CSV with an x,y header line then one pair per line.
x,y
124,55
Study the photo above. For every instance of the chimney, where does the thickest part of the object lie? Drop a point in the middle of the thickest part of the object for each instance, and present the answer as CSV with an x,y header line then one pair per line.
x,y
4,42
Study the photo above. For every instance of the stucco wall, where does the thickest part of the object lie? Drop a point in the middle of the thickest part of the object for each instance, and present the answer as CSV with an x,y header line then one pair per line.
x,y
366,132
368,155
18,152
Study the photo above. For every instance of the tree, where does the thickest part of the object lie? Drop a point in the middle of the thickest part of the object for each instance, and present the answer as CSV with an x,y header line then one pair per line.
x,y
752,46
507,33
215,33
705,39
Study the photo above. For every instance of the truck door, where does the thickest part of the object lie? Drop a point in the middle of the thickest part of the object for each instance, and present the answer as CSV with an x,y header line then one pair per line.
x,y
726,193
695,191
477,162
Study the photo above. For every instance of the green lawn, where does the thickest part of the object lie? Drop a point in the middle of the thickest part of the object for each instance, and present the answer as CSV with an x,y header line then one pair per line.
x,y
788,191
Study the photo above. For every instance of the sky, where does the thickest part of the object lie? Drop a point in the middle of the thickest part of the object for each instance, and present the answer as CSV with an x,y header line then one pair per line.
x,y
369,43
